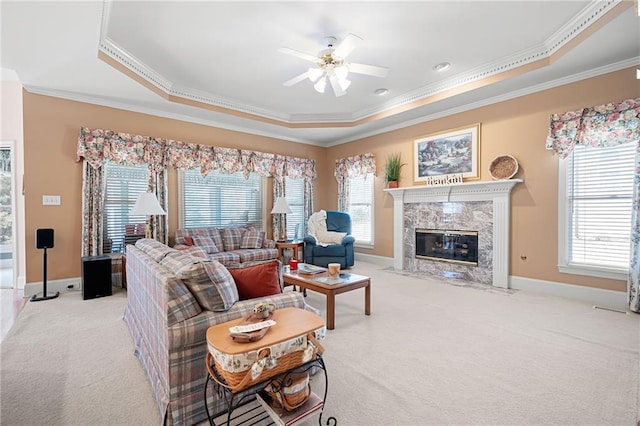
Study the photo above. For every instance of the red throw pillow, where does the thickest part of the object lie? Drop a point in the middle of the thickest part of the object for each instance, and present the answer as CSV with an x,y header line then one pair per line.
x,y
257,281
189,241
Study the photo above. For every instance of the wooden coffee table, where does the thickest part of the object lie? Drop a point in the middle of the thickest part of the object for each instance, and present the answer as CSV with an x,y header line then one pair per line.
x,y
322,283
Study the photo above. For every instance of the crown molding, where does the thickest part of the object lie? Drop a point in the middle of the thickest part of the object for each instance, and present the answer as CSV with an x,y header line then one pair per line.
x,y
501,98
101,101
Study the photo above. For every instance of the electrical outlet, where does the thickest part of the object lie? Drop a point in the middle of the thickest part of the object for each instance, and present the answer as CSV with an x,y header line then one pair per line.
x,y
50,200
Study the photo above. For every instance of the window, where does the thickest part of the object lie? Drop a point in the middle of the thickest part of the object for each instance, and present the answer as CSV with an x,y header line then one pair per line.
x,y
122,186
294,189
596,189
220,200
361,208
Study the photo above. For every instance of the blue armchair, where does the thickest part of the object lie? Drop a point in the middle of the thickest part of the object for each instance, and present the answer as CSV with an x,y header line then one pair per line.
x,y
342,253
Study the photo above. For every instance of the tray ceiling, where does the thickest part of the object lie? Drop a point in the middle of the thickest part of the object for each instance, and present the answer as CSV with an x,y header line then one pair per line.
x,y
217,63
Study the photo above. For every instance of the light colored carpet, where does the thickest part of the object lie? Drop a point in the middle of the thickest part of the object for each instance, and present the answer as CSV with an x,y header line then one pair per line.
x,y
431,353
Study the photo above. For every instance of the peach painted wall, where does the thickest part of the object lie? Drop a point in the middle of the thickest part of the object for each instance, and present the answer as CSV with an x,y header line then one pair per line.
x,y
51,128
517,127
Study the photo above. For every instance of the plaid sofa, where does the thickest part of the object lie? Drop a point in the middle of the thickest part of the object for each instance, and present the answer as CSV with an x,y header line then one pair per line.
x,y
227,245
169,327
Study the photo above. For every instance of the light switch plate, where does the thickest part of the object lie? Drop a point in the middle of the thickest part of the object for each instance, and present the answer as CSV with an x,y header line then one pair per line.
x,y
50,200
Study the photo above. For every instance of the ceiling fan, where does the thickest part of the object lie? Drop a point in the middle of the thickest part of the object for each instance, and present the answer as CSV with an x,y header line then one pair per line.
x,y
330,64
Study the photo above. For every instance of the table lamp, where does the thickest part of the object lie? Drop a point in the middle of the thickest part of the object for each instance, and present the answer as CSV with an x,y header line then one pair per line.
x,y
147,204
282,208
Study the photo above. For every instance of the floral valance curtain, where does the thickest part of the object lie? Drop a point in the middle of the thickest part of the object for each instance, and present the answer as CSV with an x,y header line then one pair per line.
x,y
600,126
97,146
358,165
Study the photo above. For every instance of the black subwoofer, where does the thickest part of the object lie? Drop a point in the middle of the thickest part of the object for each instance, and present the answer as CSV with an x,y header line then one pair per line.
x,y
96,276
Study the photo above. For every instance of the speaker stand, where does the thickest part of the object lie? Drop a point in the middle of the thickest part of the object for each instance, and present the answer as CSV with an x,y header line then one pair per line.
x,y
44,296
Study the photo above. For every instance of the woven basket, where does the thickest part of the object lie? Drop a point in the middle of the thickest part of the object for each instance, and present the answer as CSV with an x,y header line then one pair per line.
x,y
242,380
291,392
503,167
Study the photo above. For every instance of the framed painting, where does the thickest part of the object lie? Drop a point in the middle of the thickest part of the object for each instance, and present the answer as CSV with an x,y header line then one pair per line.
x,y
453,152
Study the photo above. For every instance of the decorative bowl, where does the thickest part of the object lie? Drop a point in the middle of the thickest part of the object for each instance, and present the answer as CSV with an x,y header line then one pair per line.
x,y
503,167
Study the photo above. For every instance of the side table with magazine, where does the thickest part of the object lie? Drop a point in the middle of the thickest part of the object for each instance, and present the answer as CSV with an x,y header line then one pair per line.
x,y
276,365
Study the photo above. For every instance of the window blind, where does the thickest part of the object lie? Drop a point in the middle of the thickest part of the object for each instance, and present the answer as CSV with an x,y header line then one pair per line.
x,y
599,200
122,186
361,208
221,200
294,189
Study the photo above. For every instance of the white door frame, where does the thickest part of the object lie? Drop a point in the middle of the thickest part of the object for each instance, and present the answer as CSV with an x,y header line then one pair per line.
x,y
14,236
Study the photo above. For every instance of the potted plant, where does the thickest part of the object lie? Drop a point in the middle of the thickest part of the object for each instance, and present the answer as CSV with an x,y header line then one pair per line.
x,y
392,170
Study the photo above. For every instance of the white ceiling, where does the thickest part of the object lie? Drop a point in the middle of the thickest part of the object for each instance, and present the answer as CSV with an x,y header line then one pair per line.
x,y
163,57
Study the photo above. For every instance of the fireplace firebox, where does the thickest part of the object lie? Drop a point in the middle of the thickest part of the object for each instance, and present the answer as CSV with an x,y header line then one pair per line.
x,y
447,246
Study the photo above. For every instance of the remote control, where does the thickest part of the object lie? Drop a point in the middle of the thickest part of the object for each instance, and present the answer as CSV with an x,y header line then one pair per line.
x,y
251,327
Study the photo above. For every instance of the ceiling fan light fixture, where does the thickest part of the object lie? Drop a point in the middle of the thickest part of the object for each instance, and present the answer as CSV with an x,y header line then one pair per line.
x,y
320,85
341,72
344,83
314,74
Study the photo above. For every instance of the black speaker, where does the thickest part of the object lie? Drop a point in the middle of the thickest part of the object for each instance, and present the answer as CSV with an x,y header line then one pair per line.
x,y
96,276
44,238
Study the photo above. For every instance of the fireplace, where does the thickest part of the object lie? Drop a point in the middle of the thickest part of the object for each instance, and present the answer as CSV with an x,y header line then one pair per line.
x,y
447,246
483,206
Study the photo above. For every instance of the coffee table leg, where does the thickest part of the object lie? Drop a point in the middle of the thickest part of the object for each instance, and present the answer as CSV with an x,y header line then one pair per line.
x,y
331,311
367,299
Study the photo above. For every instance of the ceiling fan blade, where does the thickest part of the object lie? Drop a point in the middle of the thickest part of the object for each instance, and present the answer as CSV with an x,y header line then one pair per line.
x,y
337,90
297,54
368,70
296,79
350,42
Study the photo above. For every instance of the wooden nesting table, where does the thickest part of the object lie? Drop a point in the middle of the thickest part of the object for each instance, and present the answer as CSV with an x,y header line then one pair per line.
x,y
322,283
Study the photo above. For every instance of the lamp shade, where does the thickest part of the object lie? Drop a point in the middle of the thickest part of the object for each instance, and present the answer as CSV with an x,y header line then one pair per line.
x,y
281,206
147,204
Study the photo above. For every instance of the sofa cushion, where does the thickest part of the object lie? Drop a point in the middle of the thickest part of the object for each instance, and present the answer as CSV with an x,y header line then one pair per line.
x,y
213,233
252,239
224,285
193,251
232,238
253,255
226,257
205,243
258,280
210,283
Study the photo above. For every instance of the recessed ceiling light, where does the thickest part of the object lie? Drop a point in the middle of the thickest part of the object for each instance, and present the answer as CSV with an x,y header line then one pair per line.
x,y
381,92
442,66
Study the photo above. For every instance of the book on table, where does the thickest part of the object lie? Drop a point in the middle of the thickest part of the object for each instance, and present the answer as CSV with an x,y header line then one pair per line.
x,y
306,268
283,417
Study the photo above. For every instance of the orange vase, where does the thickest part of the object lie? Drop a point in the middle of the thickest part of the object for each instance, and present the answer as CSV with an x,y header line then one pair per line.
x,y
392,184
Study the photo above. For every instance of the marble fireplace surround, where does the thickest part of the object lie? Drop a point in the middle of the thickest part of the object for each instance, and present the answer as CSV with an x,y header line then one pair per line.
x,y
497,192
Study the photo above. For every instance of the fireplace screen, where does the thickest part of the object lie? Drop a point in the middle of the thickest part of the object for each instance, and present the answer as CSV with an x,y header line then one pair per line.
x,y
447,246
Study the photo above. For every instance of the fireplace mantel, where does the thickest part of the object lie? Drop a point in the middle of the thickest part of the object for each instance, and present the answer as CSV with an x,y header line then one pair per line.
x,y
496,191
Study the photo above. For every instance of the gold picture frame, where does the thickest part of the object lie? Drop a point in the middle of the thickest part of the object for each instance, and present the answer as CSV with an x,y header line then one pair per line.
x,y
452,152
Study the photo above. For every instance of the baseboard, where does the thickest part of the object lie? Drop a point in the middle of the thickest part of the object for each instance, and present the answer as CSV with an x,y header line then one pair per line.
x,y
596,296
384,262
22,281
52,286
